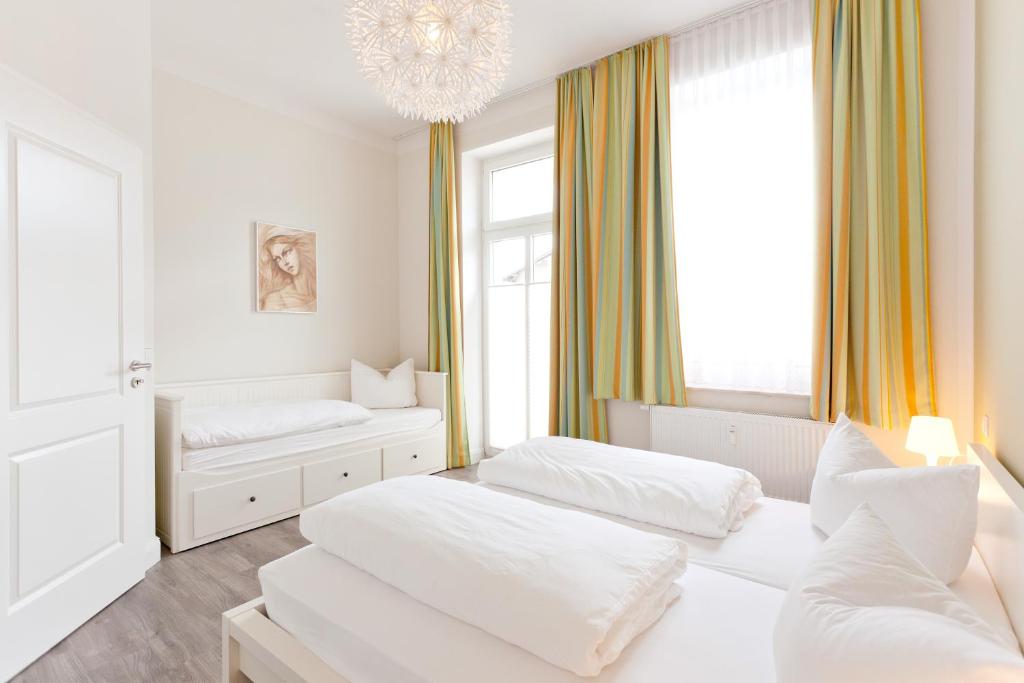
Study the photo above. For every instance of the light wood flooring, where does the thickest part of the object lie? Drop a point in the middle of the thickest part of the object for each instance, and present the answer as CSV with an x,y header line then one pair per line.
x,y
167,627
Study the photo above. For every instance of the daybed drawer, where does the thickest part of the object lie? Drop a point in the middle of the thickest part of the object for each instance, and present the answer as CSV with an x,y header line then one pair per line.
x,y
229,505
323,480
414,457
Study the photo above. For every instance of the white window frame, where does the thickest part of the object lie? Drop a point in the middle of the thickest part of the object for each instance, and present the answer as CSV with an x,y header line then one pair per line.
x,y
517,158
494,231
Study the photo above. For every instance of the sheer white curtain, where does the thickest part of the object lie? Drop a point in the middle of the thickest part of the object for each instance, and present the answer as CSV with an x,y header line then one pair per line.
x,y
742,168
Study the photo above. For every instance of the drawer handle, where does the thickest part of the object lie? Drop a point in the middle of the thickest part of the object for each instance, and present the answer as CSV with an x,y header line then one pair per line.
x,y
252,499
344,474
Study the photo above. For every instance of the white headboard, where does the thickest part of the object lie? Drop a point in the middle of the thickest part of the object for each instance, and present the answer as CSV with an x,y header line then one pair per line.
x,y
430,389
322,385
1000,535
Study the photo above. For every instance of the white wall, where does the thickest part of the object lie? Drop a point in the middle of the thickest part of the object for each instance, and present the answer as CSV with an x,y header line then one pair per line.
x,y
96,55
948,54
947,30
93,54
413,200
219,165
1000,230
532,111
527,113
470,214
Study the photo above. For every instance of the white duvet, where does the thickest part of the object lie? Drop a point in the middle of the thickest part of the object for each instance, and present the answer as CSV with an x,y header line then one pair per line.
x,y
685,494
569,587
226,425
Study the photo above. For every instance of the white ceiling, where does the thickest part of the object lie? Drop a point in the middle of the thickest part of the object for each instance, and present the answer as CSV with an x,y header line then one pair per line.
x,y
292,55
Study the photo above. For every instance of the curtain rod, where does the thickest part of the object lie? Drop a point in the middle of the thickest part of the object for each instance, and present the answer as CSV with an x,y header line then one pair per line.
x,y
674,33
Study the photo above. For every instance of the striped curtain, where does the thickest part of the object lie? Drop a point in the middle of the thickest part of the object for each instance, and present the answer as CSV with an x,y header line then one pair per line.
x,y
872,346
445,288
574,410
638,356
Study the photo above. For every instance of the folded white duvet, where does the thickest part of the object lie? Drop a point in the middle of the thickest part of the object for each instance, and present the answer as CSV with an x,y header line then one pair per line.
x,y
226,425
569,587
695,496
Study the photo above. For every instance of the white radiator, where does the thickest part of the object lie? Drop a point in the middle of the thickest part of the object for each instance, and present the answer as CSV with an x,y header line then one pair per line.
x,y
780,451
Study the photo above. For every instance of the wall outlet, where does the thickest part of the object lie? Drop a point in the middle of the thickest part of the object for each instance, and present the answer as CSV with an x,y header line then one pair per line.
x,y
985,426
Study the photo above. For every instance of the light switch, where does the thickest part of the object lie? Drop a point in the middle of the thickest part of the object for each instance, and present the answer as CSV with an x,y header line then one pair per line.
x,y
985,427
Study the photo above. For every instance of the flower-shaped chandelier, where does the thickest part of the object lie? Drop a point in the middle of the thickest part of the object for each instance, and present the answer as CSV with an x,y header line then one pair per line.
x,y
438,60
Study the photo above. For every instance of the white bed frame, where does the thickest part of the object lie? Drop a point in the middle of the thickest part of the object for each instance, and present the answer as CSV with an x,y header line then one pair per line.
x,y
256,649
196,507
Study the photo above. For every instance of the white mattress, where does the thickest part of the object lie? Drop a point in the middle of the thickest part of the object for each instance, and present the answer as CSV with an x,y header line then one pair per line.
x,y
719,630
384,422
776,541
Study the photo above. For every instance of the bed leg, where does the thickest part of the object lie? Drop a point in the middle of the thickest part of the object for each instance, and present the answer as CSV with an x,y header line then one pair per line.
x,y
231,671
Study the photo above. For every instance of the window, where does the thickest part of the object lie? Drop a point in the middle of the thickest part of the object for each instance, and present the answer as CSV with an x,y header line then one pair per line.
x,y
522,190
742,167
517,278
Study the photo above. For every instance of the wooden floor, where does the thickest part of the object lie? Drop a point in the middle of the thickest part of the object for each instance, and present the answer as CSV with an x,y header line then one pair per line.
x,y
167,627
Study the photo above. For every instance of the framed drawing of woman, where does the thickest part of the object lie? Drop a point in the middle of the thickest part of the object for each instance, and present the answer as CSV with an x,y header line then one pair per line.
x,y
285,269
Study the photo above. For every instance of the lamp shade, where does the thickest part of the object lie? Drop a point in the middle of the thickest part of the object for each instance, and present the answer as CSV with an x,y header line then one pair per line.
x,y
933,437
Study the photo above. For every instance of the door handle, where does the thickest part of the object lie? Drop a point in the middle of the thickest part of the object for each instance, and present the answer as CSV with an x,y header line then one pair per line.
x,y
137,365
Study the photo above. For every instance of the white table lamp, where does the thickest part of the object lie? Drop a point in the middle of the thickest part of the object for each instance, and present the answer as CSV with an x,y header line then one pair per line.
x,y
932,437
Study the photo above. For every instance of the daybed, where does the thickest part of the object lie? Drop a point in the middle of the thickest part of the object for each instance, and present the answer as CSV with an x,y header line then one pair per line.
x,y
206,494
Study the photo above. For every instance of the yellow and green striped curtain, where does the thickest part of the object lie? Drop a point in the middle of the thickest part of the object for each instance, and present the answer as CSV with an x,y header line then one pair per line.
x,y
445,288
872,346
638,356
573,411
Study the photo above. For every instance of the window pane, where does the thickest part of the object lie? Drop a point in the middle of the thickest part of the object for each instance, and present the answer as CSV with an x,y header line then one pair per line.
x,y
508,261
743,183
506,365
540,353
542,257
522,190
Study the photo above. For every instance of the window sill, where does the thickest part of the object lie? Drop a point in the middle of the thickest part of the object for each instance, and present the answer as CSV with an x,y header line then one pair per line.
x,y
786,405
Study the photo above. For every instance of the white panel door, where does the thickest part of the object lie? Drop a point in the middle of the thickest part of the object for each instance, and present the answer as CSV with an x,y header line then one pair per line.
x,y
76,524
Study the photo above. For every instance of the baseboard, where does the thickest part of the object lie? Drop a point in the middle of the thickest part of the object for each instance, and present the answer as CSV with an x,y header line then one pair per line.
x,y
151,551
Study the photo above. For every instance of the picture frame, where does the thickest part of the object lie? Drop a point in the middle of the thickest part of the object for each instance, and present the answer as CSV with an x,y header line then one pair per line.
x,y
286,269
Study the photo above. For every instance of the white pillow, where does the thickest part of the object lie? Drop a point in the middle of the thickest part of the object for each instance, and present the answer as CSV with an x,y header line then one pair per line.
x,y
226,425
933,511
866,610
396,389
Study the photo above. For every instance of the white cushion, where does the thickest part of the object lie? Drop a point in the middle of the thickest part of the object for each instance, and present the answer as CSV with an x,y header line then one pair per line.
x,y
866,610
233,424
373,389
932,510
